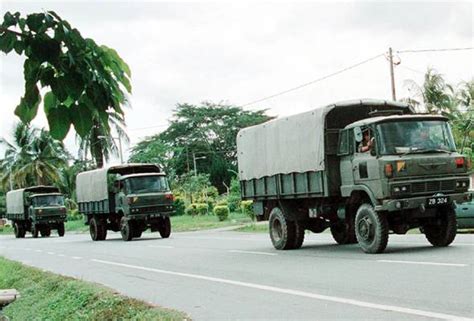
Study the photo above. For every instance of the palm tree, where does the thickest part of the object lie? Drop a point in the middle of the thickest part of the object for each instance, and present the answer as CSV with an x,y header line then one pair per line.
x,y
33,157
100,141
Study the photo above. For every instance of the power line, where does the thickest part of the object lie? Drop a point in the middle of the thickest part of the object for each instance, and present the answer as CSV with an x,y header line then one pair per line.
x,y
433,50
313,81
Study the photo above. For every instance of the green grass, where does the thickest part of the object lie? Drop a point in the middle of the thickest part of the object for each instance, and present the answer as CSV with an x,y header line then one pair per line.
x,y
204,222
76,226
46,296
254,228
6,230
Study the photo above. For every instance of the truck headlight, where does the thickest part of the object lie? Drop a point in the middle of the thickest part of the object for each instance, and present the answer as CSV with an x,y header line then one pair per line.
x,y
401,189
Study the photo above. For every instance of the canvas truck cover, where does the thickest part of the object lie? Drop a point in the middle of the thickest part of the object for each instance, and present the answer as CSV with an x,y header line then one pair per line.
x,y
92,186
295,144
15,201
15,198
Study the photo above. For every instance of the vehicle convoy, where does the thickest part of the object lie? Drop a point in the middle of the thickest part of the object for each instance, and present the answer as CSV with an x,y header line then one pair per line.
x,y
36,209
362,168
129,198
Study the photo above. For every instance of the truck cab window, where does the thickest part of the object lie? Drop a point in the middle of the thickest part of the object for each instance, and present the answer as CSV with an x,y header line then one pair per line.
x,y
343,143
367,143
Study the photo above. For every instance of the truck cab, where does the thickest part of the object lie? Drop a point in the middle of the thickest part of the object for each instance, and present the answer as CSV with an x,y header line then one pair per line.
x,y
45,208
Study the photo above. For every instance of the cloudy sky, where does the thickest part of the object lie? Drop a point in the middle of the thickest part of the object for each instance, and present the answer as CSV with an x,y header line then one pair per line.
x,y
237,52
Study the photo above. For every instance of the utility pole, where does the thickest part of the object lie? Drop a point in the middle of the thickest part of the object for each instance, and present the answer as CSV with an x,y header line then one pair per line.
x,y
392,75
194,161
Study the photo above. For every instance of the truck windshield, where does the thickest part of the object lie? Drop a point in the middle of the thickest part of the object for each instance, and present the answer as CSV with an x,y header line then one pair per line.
x,y
415,136
147,184
48,200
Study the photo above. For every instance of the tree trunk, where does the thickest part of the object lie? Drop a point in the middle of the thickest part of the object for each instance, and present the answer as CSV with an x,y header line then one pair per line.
x,y
96,146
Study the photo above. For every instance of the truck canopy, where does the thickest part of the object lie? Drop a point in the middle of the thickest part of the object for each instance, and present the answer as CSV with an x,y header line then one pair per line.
x,y
300,143
92,186
15,198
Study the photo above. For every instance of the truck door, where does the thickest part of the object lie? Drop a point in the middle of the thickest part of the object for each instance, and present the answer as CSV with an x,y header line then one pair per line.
x,y
364,162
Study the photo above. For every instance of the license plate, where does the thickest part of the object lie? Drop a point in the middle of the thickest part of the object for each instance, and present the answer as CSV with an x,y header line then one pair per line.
x,y
438,200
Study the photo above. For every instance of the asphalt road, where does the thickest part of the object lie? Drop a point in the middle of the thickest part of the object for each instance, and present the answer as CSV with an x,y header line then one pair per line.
x,y
219,275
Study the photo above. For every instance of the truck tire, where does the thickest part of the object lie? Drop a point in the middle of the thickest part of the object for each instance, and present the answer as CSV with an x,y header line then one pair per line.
x,y
371,229
343,232
282,231
61,230
165,228
299,235
96,230
45,232
19,230
126,230
34,231
443,233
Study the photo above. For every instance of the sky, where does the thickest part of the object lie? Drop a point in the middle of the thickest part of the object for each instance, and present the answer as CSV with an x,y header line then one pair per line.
x,y
238,52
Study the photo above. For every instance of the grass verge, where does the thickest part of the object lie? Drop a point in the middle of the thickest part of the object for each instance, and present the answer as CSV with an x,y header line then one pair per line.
x,y
254,228
47,296
204,222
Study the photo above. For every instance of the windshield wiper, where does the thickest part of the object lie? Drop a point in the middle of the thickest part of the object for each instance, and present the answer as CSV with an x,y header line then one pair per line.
x,y
425,151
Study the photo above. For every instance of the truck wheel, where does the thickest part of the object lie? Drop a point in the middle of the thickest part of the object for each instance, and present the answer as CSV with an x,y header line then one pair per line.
x,y
45,232
126,230
299,235
371,229
61,230
34,231
96,230
282,231
137,233
165,228
18,229
343,232
443,233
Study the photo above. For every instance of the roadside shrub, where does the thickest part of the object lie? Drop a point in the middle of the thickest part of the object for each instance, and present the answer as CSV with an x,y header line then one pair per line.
x,y
74,215
247,208
222,212
197,209
202,208
222,202
179,206
191,210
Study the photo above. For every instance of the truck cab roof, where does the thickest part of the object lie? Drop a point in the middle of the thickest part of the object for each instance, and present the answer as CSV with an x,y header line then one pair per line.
x,y
46,194
140,175
379,119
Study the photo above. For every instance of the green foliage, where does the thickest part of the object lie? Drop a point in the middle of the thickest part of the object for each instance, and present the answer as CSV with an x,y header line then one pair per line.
x,y
222,202
197,209
74,215
222,212
46,296
179,206
84,82
234,196
33,157
247,208
207,131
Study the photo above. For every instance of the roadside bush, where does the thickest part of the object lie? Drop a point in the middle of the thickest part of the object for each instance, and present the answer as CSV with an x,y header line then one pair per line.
x,y
202,208
247,208
222,202
179,206
197,209
74,215
191,210
222,212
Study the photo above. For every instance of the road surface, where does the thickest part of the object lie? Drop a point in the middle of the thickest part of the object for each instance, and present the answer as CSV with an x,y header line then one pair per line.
x,y
224,275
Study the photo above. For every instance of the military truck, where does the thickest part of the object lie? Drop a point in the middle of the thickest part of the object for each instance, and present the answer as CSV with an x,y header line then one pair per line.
x,y
36,209
129,198
309,172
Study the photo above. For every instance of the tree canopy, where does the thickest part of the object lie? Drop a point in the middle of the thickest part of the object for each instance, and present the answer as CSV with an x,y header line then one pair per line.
x,y
82,81
208,132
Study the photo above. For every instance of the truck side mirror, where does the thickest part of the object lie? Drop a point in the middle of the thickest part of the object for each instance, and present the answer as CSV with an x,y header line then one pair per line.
x,y
373,150
358,134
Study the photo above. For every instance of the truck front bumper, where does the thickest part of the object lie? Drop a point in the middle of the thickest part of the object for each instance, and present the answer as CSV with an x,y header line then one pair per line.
x,y
419,202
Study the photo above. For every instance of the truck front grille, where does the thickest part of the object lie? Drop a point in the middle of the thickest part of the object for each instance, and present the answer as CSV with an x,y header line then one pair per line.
x,y
433,187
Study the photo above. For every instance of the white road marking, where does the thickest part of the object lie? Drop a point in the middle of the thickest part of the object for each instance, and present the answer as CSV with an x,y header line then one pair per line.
x,y
61,255
310,295
252,252
76,257
39,251
422,263
162,246
51,253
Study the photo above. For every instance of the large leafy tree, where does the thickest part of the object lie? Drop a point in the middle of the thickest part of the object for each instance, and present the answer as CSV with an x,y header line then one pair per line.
x,y
32,157
208,133
82,82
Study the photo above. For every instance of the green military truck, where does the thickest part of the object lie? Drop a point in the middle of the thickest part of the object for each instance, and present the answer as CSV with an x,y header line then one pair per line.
x,y
36,209
317,170
129,198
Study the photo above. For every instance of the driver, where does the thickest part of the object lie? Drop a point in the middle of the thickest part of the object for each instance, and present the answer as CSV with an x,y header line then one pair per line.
x,y
423,139
367,142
